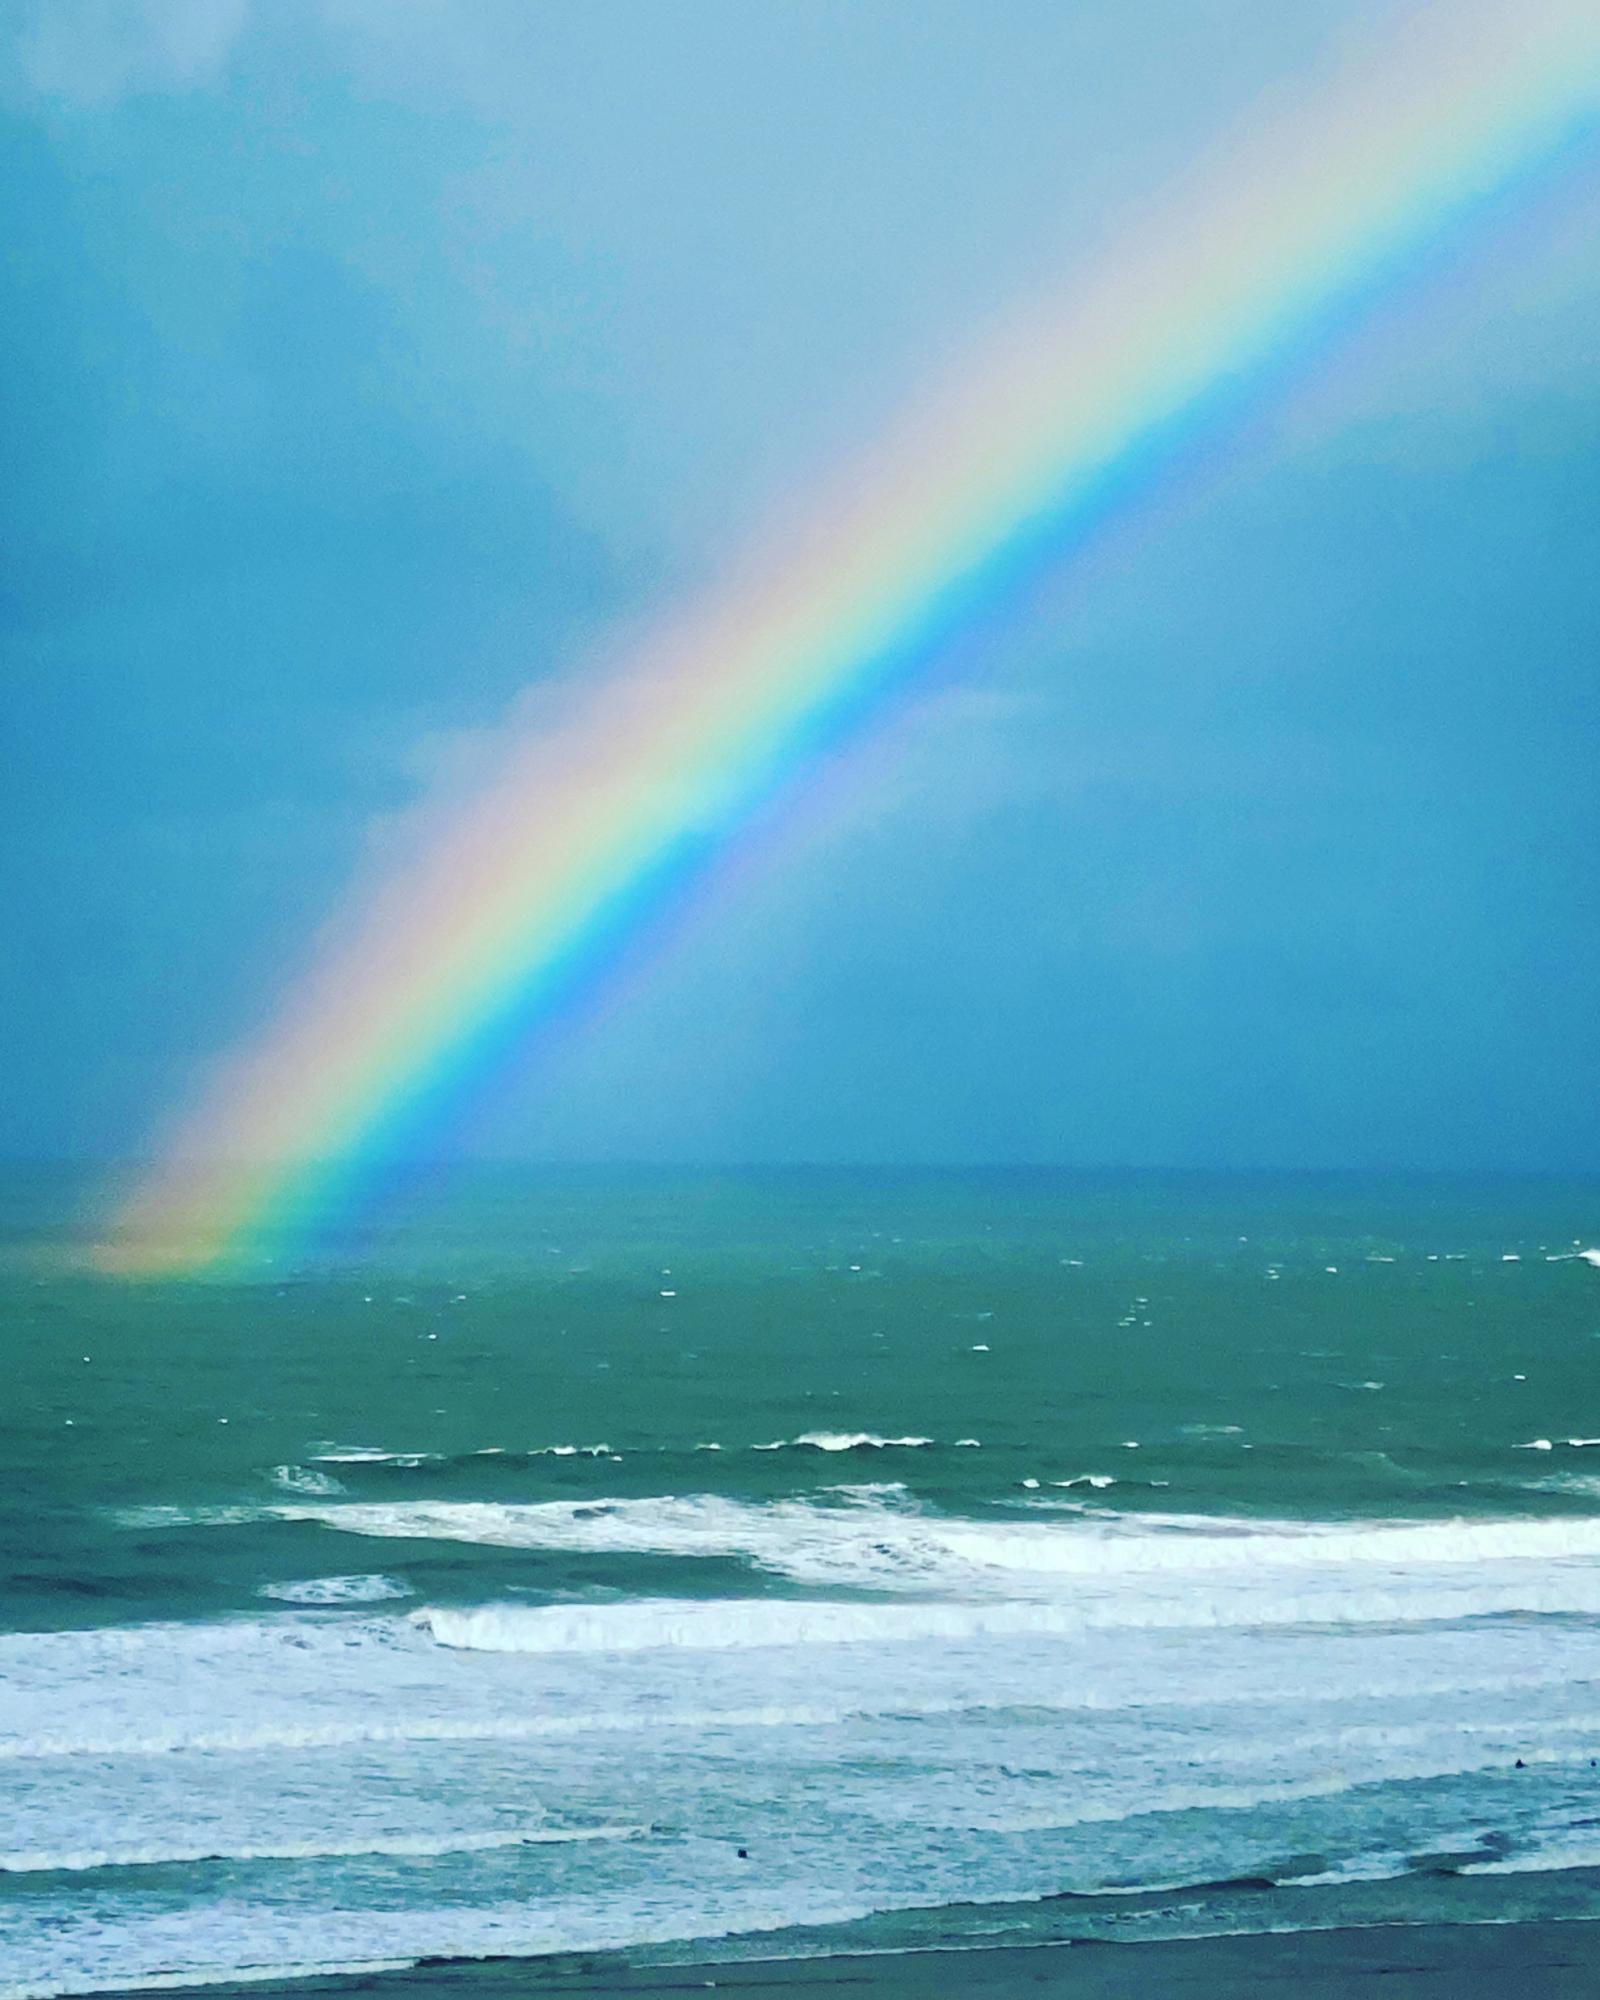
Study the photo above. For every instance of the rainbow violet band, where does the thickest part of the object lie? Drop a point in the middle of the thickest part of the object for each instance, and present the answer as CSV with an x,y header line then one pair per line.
x,y
523,892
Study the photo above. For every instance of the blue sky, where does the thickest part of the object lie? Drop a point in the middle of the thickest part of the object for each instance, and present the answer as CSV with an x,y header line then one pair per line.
x,y
368,366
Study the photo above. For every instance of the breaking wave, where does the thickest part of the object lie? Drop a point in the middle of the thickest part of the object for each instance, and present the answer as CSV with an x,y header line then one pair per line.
x,y
875,1544
1100,1567
739,1623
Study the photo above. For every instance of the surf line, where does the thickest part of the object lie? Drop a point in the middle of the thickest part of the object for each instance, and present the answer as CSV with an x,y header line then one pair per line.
x,y
526,892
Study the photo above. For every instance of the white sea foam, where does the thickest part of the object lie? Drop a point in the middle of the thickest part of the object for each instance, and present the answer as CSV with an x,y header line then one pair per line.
x,y
363,1455
736,1624
1222,1798
503,1728
1124,1673
844,1441
162,1516
198,1978
337,1590
806,1541
864,1539
305,1479
1548,1854
77,1861
246,1689
654,1722
498,1728
723,1625
202,1947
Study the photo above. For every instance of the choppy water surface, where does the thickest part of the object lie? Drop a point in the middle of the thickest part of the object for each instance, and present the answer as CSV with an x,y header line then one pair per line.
x,y
486,1586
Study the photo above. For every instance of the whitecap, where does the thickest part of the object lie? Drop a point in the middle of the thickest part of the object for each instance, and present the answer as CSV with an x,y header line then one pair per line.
x,y
338,1590
305,1479
363,1455
844,1441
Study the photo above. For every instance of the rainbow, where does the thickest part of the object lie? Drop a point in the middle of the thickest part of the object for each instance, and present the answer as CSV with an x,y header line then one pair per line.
x,y
522,892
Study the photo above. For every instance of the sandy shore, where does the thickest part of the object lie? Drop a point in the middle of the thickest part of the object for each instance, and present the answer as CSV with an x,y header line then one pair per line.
x,y
1556,1960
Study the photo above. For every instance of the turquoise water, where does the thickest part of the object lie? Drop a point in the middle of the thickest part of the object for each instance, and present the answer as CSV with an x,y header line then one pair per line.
x,y
486,1582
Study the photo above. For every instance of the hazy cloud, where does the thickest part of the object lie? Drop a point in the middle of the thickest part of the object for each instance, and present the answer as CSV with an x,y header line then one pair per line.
x,y
378,373
92,52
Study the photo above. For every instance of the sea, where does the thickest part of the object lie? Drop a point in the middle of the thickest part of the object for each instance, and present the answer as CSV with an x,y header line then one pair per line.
x,y
727,1564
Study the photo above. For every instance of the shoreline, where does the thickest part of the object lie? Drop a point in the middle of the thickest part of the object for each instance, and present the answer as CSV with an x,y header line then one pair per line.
x,y
1537,1961
1537,1958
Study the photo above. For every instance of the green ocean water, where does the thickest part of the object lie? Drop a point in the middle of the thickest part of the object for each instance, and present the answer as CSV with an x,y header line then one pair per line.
x,y
1059,1321
553,1535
